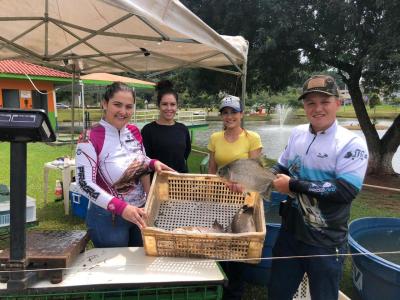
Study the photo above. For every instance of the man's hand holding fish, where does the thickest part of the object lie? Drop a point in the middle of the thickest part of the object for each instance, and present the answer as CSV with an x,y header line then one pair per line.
x,y
281,184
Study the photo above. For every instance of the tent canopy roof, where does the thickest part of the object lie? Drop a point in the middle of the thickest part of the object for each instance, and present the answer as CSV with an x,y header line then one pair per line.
x,y
143,37
106,78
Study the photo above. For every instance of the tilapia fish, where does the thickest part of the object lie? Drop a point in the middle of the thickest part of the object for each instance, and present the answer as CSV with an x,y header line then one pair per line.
x,y
250,173
243,220
216,228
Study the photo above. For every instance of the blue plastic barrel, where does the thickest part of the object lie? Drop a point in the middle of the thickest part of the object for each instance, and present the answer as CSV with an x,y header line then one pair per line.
x,y
260,274
376,277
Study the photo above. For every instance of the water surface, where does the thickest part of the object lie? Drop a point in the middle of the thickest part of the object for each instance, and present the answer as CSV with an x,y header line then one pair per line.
x,y
382,240
274,138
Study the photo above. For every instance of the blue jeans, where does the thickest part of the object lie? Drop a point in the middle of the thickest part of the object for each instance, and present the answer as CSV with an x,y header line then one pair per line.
x,y
104,232
323,273
234,271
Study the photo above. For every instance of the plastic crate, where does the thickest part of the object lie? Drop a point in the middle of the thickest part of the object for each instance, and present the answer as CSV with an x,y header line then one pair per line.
x,y
178,200
208,292
5,211
79,202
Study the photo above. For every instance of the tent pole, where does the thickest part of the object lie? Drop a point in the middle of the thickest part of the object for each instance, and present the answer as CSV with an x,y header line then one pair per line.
x,y
244,76
83,103
72,108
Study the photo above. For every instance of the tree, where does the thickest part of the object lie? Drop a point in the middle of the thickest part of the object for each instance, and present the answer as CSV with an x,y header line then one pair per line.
x,y
269,66
289,39
374,101
361,41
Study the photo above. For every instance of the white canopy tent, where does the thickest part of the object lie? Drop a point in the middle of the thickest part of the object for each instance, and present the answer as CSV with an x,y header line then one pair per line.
x,y
143,37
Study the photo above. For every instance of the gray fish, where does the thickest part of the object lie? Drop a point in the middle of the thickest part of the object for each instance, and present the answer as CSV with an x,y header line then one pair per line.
x,y
216,228
250,173
243,220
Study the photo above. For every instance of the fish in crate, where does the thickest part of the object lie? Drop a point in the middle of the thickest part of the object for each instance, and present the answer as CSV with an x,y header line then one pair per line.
x,y
193,215
242,221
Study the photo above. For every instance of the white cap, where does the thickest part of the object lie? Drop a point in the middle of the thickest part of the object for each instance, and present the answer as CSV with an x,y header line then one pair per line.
x,y
232,102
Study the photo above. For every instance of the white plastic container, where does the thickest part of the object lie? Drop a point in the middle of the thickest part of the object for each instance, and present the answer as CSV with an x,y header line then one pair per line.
x,y
5,211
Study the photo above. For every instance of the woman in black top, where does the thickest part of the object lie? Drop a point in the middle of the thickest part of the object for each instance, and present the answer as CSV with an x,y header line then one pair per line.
x,y
165,139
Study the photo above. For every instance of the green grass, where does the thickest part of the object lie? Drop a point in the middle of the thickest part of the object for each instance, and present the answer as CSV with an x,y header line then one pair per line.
x,y
380,112
64,115
51,217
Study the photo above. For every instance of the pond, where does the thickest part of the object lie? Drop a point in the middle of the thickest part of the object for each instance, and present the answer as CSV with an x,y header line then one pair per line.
x,y
274,137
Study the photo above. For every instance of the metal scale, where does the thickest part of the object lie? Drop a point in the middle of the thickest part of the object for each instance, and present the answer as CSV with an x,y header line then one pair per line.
x,y
38,250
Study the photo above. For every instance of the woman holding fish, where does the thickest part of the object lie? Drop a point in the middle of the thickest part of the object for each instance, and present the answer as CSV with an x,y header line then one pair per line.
x,y
112,171
226,146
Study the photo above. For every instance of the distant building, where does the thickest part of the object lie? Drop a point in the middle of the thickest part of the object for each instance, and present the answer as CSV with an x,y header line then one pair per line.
x,y
396,94
29,86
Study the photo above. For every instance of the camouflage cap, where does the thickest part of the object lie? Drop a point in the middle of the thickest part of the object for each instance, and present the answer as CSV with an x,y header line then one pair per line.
x,y
322,84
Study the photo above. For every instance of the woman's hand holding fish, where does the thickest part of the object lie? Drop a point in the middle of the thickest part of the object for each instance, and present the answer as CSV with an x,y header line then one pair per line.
x,y
159,167
234,187
135,215
281,183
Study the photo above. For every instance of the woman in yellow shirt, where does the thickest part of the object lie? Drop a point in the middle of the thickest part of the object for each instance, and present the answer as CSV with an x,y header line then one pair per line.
x,y
233,142
225,146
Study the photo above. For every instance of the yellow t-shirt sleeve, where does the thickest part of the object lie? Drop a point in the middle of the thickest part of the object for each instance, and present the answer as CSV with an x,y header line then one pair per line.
x,y
211,143
255,140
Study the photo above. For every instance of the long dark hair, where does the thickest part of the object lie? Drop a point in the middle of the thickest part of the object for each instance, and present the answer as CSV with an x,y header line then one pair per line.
x,y
116,87
165,87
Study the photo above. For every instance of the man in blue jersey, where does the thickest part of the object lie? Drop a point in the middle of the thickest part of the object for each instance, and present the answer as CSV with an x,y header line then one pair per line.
x,y
322,168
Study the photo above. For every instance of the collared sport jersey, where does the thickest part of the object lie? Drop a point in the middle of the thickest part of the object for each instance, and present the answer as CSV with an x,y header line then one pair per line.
x,y
103,157
327,170
226,152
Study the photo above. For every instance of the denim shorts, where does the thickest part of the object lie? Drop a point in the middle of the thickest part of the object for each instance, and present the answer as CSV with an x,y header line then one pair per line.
x,y
106,232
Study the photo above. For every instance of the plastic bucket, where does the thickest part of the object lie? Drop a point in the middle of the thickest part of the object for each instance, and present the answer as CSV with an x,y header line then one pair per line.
x,y
260,273
375,277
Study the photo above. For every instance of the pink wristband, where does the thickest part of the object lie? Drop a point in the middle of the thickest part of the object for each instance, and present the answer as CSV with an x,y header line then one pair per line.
x,y
151,164
116,206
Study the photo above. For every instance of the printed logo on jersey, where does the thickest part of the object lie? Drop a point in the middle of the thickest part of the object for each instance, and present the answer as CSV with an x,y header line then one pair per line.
x,y
322,155
295,167
325,188
84,186
131,142
357,154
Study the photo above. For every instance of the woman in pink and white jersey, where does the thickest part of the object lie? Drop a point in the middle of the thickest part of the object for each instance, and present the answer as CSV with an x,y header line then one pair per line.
x,y
112,170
